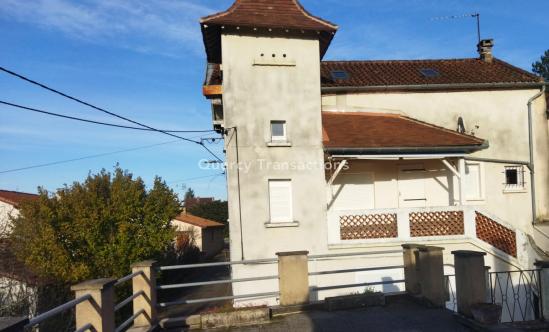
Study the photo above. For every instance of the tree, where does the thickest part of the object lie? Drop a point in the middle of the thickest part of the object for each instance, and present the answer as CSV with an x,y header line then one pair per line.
x,y
541,67
189,194
96,228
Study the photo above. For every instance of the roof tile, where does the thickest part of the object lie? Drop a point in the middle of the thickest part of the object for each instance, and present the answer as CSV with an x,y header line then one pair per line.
x,y
381,130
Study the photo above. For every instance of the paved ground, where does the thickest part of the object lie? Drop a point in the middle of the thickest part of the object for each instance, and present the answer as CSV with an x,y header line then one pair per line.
x,y
401,315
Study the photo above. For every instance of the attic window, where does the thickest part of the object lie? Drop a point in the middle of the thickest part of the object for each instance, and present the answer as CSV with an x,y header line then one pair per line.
x,y
339,75
429,72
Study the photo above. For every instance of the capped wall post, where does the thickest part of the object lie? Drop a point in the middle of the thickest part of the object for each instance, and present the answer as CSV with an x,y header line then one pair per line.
x,y
411,273
470,279
431,275
544,287
146,282
99,310
293,277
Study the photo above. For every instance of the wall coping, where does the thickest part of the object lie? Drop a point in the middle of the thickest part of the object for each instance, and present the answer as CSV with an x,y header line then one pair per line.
x,y
468,253
293,253
95,284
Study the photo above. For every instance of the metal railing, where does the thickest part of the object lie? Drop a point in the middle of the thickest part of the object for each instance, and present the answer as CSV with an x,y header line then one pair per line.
x,y
342,256
57,310
519,294
217,282
128,300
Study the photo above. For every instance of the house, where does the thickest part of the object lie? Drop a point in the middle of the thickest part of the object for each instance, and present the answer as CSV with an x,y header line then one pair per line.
x,y
9,207
207,235
19,287
362,156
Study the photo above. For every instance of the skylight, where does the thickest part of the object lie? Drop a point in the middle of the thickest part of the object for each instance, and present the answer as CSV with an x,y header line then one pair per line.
x,y
429,72
339,75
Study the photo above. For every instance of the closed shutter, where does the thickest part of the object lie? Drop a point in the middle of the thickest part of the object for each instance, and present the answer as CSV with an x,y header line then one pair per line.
x,y
280,200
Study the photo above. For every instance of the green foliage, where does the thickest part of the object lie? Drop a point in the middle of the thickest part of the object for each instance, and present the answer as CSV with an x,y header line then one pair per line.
x,y
95,229
188,194
215,210
541,67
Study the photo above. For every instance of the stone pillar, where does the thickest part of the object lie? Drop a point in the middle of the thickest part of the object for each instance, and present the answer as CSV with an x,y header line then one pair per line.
x,y
411,273
145,282
431,275
99,310
470,279
544,287
293,277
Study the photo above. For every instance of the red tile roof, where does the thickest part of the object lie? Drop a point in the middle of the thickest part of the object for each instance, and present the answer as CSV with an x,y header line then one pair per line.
x,y
408,72
380,130
264,16
14,197
197,221
286,14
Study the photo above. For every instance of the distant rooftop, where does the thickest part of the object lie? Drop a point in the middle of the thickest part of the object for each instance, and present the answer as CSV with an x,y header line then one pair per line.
x,y
15,198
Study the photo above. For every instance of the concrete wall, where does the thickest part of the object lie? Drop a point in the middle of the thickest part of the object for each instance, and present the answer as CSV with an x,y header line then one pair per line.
x,y
501,117
254,93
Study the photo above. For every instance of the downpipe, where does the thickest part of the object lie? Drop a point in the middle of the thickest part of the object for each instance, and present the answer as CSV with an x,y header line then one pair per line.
x,y
531,166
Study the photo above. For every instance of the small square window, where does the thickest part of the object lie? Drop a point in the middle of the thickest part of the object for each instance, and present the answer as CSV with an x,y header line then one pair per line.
x,y
278,131
514,178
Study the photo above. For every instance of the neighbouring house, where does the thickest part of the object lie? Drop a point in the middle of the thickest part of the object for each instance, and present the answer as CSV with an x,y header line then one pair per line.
x,y
18,285
194,201
207,235
363,156
9,207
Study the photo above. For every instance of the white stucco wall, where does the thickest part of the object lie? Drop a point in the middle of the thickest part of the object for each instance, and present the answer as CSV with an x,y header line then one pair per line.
x,y
501,117
253,95
6,210
195,231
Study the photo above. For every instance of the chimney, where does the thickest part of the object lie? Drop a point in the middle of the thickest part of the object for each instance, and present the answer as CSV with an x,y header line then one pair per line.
x,y
484,48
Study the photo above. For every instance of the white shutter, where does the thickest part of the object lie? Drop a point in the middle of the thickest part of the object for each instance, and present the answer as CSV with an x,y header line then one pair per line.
x,y
280,200
472,181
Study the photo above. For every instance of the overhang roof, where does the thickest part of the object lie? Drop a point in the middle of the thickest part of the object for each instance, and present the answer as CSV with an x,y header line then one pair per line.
x,y
197,221
15,198
380,73
379,132
273,16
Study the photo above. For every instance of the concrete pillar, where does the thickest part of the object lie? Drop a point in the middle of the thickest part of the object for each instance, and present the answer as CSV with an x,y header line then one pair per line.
x,y
145,282
99,310
544,287
411,273
470,280
293,277
431,275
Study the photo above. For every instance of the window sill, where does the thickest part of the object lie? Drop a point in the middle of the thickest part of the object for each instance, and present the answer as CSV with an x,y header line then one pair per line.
x,y
514,191
281,224
281,143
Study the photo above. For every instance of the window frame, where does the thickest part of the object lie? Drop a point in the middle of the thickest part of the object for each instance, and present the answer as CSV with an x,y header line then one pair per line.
x,y
283,138
521,181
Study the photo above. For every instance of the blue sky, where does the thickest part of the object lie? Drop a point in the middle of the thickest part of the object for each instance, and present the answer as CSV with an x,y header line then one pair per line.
x,y
145,60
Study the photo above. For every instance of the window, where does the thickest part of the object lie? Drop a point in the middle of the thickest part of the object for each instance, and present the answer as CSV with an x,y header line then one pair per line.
x,y
280,201
514,178
429,72
339,75
472,181
278,131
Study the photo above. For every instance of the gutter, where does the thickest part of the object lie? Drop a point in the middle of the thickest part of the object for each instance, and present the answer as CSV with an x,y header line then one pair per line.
x,y
420,87
408,150
531,148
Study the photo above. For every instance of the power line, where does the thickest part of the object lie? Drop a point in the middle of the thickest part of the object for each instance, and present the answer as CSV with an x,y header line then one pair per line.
x,y
195,178
97,122
85,157
104,110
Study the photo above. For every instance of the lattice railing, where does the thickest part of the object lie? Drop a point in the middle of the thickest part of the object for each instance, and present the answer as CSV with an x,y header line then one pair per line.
x,y
436,223
368,226
497,235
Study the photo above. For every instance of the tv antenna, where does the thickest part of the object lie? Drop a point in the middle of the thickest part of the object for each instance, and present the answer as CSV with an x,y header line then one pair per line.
x,y
453,17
